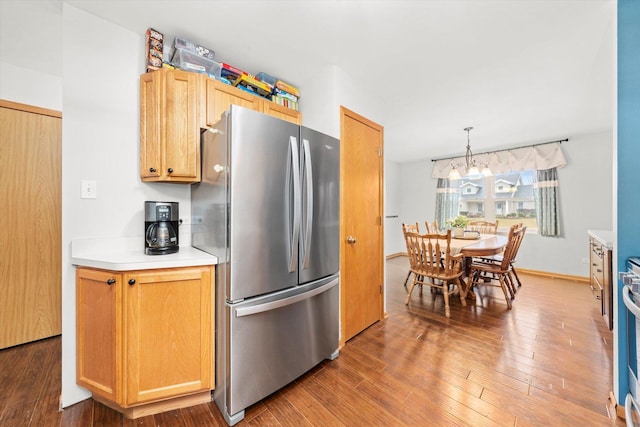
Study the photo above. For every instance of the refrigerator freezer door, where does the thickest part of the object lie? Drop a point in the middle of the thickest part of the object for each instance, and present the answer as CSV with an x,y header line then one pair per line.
x,y
264,200
276,338
320,222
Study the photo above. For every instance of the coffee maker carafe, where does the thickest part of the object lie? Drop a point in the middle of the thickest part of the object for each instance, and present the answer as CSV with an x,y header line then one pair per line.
x,y
161,221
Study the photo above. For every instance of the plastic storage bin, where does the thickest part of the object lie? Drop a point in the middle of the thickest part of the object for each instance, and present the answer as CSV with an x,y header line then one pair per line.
x,y
188,61
189,46
264,77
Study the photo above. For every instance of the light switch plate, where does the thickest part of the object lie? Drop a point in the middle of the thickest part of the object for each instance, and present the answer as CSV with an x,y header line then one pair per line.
x,y
87,189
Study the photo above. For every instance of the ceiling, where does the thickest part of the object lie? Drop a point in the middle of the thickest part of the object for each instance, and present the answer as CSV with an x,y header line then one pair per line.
x,y
518,71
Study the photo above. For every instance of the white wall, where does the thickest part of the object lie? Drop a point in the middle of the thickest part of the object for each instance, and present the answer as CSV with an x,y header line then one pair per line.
x,y
319,104
31,26
100,141
585,203
30,87
393,240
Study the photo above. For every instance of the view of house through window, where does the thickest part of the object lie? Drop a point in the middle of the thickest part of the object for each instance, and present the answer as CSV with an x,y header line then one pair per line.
x,y
507,198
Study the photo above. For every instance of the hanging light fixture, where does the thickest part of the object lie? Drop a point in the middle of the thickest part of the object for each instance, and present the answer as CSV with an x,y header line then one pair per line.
x,y
472,166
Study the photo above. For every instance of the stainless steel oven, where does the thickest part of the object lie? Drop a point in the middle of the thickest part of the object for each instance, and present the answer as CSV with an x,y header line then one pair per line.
x,y
631,298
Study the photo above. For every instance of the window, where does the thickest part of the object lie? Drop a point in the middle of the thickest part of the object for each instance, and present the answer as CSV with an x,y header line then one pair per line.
x,y
507,198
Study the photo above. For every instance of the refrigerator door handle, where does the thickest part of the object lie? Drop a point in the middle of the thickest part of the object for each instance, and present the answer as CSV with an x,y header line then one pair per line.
x,y
293,177
308,174
261,308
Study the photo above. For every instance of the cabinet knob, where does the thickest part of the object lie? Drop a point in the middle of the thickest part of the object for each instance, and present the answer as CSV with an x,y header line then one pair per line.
x,y
132,282
111,282
170,170
152,170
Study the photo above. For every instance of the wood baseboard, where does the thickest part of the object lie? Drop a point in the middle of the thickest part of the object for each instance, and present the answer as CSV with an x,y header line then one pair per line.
x,y
158,407
396,255
619,408
549,275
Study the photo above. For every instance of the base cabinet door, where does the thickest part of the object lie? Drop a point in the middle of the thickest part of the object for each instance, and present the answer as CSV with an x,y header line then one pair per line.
x,y
144,336
98,328
168,333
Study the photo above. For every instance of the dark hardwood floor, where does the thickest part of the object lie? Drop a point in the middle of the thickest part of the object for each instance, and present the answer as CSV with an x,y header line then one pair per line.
x,y
547,362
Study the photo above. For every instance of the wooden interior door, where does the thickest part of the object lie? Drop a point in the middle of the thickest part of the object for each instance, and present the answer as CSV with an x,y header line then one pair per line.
x,y
361,230
30,235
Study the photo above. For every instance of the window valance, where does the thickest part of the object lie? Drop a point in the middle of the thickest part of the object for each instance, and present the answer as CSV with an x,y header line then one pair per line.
x,y
540,157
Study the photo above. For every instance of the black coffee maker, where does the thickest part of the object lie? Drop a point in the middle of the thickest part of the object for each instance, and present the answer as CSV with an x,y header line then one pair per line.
x,y
161,221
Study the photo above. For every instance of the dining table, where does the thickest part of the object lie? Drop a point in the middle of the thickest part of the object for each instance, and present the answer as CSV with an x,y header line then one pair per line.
x,y
482,245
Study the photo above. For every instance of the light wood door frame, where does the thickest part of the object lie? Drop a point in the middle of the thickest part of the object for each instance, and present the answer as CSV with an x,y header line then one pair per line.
x,y
344,213
31,250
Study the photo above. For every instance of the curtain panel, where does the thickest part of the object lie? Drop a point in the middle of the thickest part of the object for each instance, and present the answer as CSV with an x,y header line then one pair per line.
x,y
447,194
545,192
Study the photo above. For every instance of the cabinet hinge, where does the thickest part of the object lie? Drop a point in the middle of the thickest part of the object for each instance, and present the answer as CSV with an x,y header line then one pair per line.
x,y
379,152
380,289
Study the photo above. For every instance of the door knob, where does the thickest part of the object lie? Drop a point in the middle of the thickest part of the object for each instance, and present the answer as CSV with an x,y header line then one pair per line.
x,y
351,240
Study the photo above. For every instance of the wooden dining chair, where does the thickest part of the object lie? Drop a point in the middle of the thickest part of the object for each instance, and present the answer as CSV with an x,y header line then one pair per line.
x,y
433,265
515,254
409,228
432,227
483,227
484,273
498,259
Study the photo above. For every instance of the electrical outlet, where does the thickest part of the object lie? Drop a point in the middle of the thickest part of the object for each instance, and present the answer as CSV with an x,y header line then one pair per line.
x,y
88,189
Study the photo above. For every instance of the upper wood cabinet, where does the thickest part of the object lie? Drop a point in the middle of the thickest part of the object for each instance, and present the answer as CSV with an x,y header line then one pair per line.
x,y
174,106
284,113
220,96
170,126
145,337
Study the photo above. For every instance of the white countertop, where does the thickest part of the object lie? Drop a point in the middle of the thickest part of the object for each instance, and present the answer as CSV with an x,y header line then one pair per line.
x,y
127,253
605,237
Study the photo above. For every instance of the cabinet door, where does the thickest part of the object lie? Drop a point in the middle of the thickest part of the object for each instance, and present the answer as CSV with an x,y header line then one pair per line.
x,y
150,125
170,126
98,326
181,126
282,112
221,96
168,328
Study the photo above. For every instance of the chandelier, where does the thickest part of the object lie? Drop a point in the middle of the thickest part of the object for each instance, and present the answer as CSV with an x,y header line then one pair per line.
x,y
472,166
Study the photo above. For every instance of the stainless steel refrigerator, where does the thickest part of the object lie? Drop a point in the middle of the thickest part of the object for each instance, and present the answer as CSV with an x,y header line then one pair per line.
x,y
268,208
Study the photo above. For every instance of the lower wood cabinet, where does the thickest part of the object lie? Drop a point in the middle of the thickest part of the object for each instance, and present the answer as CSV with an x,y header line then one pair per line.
x,y
600,278
144,338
